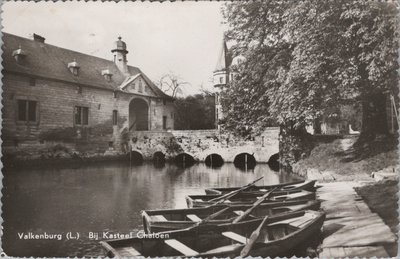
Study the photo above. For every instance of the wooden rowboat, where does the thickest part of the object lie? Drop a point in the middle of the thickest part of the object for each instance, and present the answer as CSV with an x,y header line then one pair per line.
x,y
278,236
172,219
298,185
246,198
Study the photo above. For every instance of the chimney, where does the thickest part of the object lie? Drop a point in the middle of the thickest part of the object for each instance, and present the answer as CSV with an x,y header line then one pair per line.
x,y
38,38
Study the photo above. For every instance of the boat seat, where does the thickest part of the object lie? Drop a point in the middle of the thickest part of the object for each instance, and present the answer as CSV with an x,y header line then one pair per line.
x,y
301,221
239,212
180,247
235,236
159,218
224,249
286,221
193,217
128,251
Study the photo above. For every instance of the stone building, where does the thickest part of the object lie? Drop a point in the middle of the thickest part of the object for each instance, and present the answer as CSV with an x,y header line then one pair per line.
x,y
52,94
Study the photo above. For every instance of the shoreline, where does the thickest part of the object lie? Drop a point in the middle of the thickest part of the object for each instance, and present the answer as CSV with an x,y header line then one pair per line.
x,y
61,163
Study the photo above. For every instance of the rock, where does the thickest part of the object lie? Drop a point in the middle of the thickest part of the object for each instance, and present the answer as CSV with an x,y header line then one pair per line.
x,y
388,173
314,174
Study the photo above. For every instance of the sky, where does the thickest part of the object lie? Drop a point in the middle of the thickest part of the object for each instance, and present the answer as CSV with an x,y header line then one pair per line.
x,y
183,38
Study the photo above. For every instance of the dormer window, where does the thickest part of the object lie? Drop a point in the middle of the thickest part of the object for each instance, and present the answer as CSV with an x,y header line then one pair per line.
x,y
107,74
74,68
19,54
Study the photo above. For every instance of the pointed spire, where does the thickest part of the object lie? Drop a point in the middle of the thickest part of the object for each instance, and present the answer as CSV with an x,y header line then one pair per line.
x,y
223,60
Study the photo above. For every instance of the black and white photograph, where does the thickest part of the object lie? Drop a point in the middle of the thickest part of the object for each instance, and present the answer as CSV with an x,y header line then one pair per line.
x,y
204,129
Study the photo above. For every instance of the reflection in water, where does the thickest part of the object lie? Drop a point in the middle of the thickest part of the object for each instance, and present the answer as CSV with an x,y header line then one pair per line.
x,y
102,198
214,160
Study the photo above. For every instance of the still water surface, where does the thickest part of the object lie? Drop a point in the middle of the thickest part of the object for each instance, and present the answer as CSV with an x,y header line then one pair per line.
x,y
102,198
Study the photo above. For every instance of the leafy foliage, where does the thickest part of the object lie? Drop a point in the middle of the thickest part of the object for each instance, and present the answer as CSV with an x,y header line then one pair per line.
x,y
195,112
302,58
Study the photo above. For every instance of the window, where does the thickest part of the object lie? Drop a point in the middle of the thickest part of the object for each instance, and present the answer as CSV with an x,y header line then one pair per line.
x,y
79,89
115,94
81,115
27,110
164,101
221,79
140,86
32,81
115,117
164,122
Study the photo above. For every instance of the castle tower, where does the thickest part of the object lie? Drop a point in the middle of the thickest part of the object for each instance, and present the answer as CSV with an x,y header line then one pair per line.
x,y
221,71
119,51
220,80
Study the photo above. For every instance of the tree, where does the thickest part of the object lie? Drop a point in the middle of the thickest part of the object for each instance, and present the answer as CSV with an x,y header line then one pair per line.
x,y
370,38
171,84
195,112
304,57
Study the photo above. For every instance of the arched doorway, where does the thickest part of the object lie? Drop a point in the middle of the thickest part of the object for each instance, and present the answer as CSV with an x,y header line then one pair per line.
x,y
138,114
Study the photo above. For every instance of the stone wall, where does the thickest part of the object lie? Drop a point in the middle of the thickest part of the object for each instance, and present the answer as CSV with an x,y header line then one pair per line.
x,y
55,111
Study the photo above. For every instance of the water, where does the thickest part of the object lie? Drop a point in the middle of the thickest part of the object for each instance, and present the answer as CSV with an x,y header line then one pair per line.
x,y
102,198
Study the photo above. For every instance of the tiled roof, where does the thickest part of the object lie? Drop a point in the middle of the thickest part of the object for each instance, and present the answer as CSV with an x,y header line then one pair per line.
x,y
48,61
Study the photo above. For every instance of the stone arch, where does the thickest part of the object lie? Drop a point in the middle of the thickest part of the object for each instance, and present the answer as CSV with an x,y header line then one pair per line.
x,y
139,114
184,159
136,157
214,160
273,162
158,157
245,161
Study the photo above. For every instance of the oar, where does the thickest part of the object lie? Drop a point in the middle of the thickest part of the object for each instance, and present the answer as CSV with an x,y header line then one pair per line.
x,y
253,238
212,216
232,193
257,203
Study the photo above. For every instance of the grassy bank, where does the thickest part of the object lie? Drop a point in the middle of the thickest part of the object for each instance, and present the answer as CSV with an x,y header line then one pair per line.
x,y
343,160
339,160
